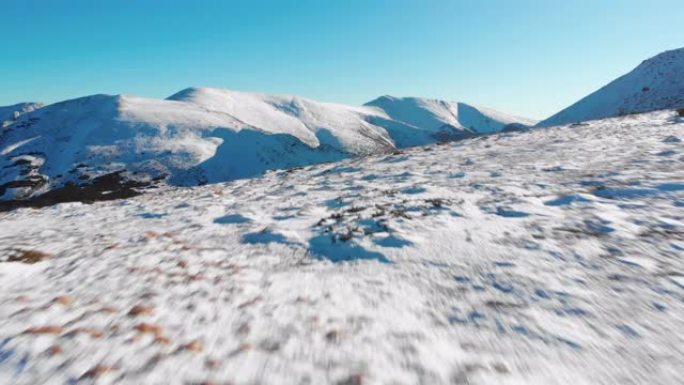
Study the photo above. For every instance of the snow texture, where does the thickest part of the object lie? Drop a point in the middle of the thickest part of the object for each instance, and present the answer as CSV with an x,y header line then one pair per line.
x,y
551,256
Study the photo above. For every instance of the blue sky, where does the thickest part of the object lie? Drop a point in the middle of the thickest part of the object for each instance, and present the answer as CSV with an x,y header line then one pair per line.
x,y
525,57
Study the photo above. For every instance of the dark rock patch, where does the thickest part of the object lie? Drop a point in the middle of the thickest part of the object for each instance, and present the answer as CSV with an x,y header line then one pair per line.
x,y
103,188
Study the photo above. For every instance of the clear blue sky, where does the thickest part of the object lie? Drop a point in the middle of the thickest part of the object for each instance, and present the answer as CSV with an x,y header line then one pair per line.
x,y
525,57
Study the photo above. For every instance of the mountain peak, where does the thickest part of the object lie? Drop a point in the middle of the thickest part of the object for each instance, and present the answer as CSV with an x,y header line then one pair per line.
x,y
203,134
436,114
655,84
9,114
191,92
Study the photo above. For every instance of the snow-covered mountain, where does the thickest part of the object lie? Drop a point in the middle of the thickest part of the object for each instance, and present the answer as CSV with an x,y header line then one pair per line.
x,y
445,118
77,140
205,135
483,120
337,126
656,84
547,257
9,114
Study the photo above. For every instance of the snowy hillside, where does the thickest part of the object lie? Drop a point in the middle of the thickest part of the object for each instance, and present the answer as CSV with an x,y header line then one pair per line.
x,y
440,117
78,140
547,257
656,84
314,123
8,114
199,135
484,120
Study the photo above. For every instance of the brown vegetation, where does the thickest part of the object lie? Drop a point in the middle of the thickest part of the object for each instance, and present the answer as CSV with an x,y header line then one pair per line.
x,y
28,256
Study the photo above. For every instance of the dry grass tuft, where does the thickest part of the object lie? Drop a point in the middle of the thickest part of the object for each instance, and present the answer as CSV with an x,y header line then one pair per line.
x,y
50,329
65,300
97,371
138,310
28,256
193,346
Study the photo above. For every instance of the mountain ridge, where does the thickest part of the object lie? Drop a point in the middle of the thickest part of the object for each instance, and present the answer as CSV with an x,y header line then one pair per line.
x,y
195,136
205,135
9,114
655,84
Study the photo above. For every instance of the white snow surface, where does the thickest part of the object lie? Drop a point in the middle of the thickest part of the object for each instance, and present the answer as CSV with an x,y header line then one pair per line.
x,y
8,114
656,84
552,256
297,116
199,135
483,120
435,116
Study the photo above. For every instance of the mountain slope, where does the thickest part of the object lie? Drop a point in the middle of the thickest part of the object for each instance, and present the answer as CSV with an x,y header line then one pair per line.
x,y
314,123
78,140
549,257
486,120
200,135
656,84
9,114
444,118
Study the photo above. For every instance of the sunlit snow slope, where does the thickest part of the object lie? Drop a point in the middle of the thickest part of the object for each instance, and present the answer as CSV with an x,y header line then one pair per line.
x,y
8,114
552,256
199,135
440,117
656,84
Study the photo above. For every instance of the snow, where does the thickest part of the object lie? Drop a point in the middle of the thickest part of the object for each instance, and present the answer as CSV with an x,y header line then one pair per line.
x,y
8,114
300,117
429,114
199,135
656,84
551,256
434,116
484,120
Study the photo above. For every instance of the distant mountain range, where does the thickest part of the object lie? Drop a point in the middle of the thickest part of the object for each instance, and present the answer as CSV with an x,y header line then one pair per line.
x,y
205,135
